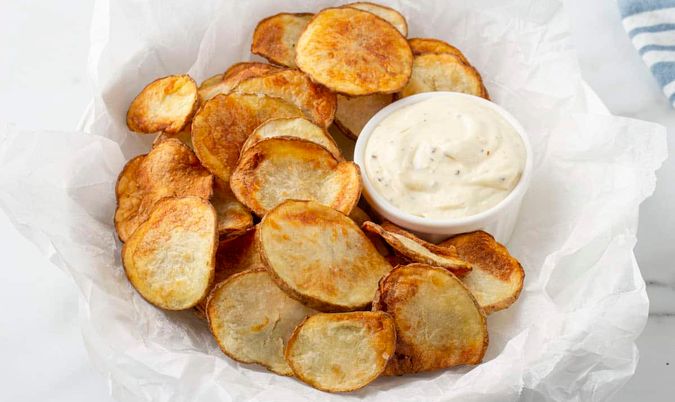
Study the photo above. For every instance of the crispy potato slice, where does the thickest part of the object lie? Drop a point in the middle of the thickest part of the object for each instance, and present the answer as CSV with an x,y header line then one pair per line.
x,y
233,216
388,14
224,83
341,352
235,254
354,52
317,102
319,256
439,323
211,87
170,258
252,319
278,169
293,127
353,113
275,37
359,216
166,104
222,125
169,169
497,278
184,136
417,250
428,45
443,72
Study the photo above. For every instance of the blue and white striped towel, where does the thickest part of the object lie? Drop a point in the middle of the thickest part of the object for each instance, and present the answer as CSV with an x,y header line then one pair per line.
x,y
651,26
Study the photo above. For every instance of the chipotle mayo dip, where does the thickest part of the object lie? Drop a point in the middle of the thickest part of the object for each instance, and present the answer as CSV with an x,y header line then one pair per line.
x,y
444,157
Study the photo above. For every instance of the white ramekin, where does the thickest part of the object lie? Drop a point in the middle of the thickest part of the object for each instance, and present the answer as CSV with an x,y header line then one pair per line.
x,y
499,220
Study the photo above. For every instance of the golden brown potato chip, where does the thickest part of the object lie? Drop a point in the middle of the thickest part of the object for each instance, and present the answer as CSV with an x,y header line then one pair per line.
x,y
184,136
428,45
252,319
319,256
224,83
353,113
359,216
316,101
341,352
170,258
222,125
275,37
443,72
210,87
297,127
233,216
170,169
497,278
354,52
166,104
388,14
439,324
278,169
417,250
235,254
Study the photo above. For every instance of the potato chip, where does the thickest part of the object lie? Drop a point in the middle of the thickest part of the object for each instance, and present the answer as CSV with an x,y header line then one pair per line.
x,y
236,253
443,72
316,101
275,37
341,352
497,278
210,87
319,256
417,250
233,216
428,45
353,113
388,14
354,52
439,324
292,127
221,126
278,169
170,258
252,319
359,216
224,83
169,169
166,104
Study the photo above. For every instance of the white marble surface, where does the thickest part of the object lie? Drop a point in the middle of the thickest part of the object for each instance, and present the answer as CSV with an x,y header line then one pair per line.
x,y
43,48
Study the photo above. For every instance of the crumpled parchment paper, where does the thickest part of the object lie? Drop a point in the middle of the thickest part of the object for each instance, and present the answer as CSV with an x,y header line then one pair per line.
x,y
571,335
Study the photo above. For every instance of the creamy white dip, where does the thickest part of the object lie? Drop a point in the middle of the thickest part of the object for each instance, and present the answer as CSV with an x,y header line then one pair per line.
x,y
444,157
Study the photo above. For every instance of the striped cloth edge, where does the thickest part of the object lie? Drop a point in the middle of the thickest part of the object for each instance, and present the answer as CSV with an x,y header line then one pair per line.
x,y
650,24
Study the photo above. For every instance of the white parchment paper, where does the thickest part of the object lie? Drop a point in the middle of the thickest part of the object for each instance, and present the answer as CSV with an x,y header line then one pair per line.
x,y
571,335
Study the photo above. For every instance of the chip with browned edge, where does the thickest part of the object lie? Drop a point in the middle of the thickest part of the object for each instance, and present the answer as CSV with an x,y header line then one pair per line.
x,y
166,104
275,37
388,14
317,102
429,45
319,256
341,352
297,127
443,72
170,258
169,169
439,323
222,125
497,278
417,250
233,216
282,168
354,52
252,319
353,113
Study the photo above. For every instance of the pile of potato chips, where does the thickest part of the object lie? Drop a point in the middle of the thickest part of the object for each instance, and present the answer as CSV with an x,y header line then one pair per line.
x,y
246,210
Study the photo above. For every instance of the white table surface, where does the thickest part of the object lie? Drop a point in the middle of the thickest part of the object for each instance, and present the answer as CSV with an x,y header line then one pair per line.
x,y
43,51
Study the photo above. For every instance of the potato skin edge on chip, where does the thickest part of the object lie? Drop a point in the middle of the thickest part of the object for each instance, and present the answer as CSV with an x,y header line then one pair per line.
x,y
384,322
264,41
212,261
138,119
